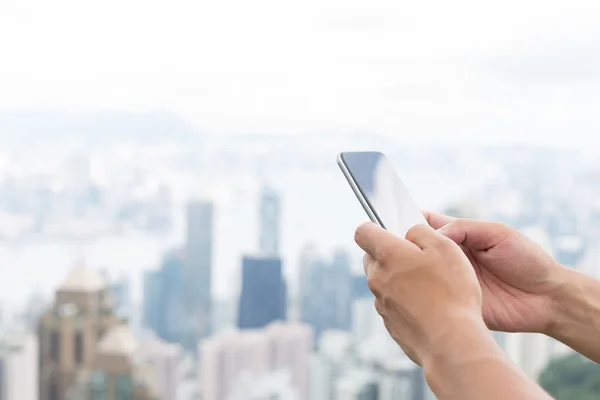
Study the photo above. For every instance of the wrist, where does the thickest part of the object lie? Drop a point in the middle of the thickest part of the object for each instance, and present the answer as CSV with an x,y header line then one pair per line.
x,y
564,284
464,343
574,303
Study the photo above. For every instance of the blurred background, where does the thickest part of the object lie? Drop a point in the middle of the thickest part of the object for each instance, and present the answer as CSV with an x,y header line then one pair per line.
x,y
172,221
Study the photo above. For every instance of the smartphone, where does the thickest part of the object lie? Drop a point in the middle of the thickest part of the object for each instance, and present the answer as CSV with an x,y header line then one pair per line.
x,y
380,191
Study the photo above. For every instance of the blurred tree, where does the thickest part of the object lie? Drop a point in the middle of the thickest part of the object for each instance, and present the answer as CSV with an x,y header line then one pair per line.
x,y
572,377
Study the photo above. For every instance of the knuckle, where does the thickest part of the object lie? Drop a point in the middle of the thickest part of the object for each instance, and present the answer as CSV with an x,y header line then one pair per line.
x,y
414,232
385,252
374,284
444,244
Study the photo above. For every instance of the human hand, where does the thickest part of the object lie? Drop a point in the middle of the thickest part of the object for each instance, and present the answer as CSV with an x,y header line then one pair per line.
x,y
518,278
424,285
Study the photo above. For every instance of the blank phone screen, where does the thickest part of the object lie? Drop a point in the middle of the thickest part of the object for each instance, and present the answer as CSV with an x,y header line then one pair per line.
x,y
381,186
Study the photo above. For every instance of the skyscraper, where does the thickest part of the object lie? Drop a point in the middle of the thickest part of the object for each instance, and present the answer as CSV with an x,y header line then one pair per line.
x,y
164,301
328,283
198,270
282,347
151,302
264,294
19,367
270,219
68,333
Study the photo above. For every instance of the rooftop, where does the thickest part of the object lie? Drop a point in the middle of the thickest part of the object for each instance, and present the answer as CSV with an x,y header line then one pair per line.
x,y
83,279
118,341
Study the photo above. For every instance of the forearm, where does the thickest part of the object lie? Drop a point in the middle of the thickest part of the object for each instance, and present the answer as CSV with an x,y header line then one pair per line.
x,y
469,364
576,320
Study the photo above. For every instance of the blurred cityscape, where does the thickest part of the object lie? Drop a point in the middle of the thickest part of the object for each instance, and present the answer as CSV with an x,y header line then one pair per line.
x,y
144,260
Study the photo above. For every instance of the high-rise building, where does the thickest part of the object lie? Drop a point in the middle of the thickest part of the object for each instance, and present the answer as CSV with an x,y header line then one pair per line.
x,y
239,351
226,357
165,359
364,319
117,371
270,220
198,270
264,294
290,346
322,377
173,322
152,300
69,332
328,283
164,301
19,367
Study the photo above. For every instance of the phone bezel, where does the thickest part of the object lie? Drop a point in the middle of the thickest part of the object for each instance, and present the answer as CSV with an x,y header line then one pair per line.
x,y
364,201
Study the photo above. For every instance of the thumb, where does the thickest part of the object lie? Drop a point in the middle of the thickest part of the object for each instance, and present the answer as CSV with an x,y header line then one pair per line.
x,y
473,234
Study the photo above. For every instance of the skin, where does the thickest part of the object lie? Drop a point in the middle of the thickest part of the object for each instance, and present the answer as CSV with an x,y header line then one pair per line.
x,y
524,289
441,287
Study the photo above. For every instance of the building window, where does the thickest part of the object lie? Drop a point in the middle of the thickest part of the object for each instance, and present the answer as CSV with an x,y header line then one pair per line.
x,y
79,348
123,387
55,346
98,386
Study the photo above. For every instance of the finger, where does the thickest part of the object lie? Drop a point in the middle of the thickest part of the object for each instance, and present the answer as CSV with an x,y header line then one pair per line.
x,y
423,236
370,237
478,235
368,263
379,243
437,220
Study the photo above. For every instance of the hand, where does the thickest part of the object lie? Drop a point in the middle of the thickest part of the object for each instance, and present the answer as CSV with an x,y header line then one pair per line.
x,y
424,287
518,278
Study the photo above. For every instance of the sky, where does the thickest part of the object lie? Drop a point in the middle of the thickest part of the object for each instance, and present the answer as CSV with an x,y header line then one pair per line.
x,y
421,71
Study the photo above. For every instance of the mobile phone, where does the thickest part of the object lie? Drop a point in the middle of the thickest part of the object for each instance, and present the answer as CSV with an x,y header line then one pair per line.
x,y
380,191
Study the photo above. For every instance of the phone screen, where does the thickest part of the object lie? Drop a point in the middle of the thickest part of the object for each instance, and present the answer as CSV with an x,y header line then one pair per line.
x,y
386,195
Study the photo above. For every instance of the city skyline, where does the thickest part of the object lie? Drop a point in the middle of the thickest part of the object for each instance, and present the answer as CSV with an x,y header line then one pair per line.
x,y
173,224
349,347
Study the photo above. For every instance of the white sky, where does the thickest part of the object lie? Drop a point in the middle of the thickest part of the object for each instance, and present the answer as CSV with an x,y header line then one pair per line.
x,y
472,70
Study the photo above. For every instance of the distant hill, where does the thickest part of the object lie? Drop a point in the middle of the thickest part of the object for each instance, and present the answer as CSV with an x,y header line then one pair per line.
x,y
24,125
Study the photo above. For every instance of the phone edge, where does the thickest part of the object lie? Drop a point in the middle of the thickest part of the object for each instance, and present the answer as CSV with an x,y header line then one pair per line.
x,y
357,192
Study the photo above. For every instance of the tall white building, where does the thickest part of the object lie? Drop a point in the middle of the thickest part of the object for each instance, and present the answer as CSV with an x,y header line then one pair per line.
x,y
322,377
19,367
279,346
164,358
290,347
326,365
270,222
364,319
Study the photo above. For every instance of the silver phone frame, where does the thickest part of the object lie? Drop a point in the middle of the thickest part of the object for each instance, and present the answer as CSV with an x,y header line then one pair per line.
x,y
359,194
